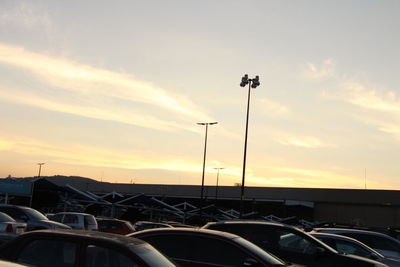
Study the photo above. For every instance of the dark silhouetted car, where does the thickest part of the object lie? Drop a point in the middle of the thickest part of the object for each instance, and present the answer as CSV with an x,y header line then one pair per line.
x,y
33,218
290,244
348,245
115,226
201,247
73,248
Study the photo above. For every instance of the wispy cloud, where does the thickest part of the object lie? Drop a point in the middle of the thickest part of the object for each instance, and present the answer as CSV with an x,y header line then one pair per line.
x,y
303,141
26,16
326,69
369,98
88,80
109,112
272,108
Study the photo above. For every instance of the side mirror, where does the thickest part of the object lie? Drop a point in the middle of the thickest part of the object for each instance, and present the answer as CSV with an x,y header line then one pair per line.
x,y
250,262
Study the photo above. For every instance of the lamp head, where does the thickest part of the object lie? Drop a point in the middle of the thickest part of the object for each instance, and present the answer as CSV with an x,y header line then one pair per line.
x,y
255,82
245,80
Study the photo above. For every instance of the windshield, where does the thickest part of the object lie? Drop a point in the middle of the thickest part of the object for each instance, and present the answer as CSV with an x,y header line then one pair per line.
x,y
152,256
260,252
35,215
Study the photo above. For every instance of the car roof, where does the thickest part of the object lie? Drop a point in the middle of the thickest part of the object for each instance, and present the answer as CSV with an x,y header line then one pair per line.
x,y
252,222
73,213
184,230
349,230
82,234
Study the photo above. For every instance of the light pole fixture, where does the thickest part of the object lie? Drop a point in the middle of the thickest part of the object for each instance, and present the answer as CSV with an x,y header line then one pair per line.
x,y
253,83
216,188
40,168
204,161
33,183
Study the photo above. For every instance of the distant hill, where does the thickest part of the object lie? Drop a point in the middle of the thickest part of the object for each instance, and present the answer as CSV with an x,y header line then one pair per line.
x,y
63,180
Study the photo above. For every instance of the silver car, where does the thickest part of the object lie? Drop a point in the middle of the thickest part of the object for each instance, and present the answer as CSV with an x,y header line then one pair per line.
x,y
348,245
9,228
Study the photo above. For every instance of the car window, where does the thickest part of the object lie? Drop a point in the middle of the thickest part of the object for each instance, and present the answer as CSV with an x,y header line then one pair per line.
x,y
5,218
295,243
57,217
34,214
174,246
89,220
375,241
71,218
14,213
211,250
105,257
198,248
48,253
351,248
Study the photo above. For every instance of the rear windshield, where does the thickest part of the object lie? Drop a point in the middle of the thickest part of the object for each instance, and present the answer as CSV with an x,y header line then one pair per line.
x,y
35,215
5,218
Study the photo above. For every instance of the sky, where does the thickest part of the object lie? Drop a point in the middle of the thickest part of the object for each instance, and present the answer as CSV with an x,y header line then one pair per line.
x,y
113,90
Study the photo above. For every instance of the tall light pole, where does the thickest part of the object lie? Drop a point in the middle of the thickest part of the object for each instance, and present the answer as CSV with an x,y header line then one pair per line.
x,y
204,162
253,83
33,183
216,188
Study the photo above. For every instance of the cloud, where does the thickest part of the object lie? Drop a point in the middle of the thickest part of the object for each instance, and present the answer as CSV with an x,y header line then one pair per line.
x,y
110,112
305,142
326,70
367,98
87,80
272,108
26,16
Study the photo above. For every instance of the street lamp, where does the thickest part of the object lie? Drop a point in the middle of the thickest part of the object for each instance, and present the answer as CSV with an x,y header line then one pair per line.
x,y
33,183
253,83
216,188
204,161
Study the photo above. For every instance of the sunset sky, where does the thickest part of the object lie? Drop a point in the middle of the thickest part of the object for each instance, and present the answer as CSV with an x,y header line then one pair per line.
x,y
113,90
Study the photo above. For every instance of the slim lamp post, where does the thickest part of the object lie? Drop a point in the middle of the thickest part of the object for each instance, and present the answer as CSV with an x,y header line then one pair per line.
x,y
216,188
253,83
204,162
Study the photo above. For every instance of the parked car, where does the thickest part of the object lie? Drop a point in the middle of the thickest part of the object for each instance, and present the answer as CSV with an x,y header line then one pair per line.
x,y
384,244
143,225
73,248
77,220
33,218
350,245
9,228
201,247
290,244
115,226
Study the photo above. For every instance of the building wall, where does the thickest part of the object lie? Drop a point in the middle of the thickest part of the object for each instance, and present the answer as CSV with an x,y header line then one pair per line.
x,y
358,215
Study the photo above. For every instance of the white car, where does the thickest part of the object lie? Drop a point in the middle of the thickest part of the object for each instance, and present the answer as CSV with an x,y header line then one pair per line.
x,y
76,220
384,244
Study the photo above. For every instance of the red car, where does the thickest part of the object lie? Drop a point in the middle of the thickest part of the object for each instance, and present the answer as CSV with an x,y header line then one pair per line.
x,y
115,226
